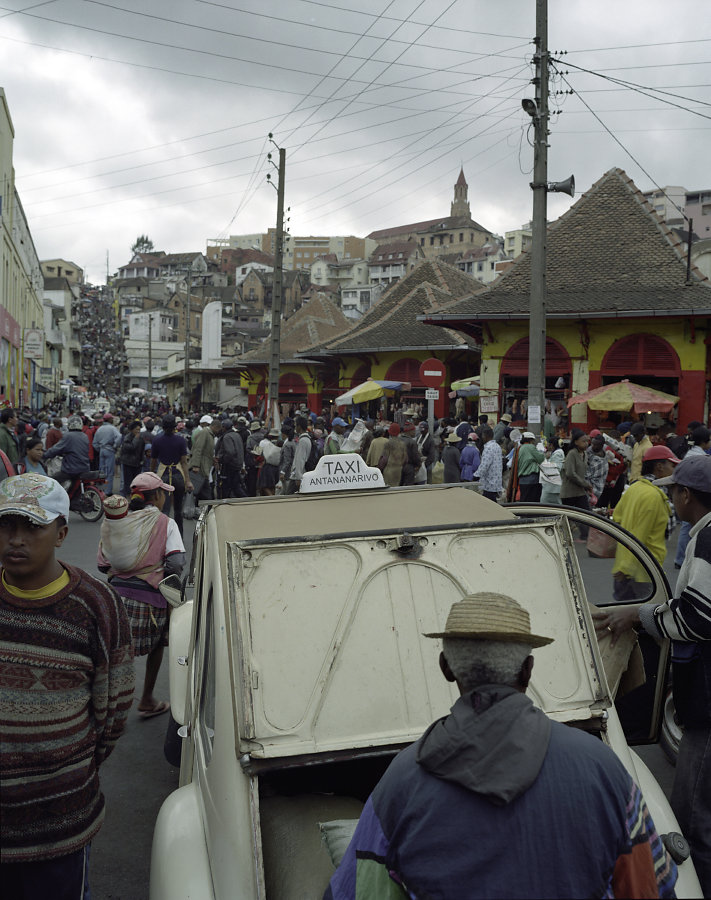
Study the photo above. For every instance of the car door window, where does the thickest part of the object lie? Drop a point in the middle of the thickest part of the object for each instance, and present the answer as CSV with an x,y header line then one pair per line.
x,y
604,553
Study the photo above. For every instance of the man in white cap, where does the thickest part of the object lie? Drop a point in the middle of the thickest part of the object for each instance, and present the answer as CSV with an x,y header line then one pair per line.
x,y
202,459
66,685
488,803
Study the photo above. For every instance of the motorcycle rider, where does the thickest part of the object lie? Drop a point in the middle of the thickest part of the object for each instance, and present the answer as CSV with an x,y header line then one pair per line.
x,y
74,450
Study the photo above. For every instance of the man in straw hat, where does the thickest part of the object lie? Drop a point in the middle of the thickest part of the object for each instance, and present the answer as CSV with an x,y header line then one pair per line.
x,y
498,800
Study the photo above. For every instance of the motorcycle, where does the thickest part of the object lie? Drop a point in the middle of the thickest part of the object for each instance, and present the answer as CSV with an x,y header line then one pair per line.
x,y
86,497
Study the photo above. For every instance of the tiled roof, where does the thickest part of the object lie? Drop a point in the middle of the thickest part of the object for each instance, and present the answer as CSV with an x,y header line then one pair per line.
x,y
173,258
610,252
315,323
240,256
442,223
393,321
398,251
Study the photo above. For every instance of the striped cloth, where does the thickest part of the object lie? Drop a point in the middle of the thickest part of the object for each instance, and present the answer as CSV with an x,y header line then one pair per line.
x,y
66,685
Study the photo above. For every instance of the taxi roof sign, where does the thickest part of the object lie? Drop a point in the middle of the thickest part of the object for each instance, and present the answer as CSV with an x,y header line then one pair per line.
x,y
341,472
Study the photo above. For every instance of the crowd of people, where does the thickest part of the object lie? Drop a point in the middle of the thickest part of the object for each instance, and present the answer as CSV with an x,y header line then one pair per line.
x,y
159,467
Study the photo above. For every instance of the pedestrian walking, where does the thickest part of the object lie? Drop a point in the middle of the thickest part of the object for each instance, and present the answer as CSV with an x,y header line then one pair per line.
x,y
138,547
450,458
490,468
575,488
107,440
131,454
169,459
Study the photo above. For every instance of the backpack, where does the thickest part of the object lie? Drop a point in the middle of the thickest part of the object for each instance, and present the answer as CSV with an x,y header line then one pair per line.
x,y
314,455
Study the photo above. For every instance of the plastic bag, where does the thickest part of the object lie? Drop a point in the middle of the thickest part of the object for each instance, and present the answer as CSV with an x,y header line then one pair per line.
x,y
549,473
53,466
438,473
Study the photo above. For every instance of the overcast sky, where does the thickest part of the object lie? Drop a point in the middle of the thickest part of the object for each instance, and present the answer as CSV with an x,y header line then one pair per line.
x,y
133,117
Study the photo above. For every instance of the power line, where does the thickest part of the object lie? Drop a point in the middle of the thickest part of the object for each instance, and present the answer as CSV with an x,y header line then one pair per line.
x,y
213,53
360,12
617,140
640,88
311,26
640,46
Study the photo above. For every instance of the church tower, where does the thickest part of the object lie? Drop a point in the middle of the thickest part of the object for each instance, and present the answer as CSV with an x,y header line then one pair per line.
x,y
460,204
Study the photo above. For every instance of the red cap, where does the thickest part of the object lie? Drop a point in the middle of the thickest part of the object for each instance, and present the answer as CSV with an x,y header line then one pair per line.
x,y
394,430
660,451
594,432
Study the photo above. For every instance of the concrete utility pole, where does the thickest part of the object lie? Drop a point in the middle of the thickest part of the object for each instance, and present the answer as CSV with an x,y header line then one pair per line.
x,y
186,370
537,322
275,351
149,384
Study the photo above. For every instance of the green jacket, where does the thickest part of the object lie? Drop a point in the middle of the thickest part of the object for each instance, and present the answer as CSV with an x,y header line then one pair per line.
x,y
529,459
9,444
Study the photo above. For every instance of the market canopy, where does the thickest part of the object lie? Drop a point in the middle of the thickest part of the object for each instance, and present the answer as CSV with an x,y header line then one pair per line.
x,y
623,396
465,387
371,390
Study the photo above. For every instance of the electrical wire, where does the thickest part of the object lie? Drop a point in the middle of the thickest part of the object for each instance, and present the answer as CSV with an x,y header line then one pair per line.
x,y
213,53
311,26
331,6
639,88
620,144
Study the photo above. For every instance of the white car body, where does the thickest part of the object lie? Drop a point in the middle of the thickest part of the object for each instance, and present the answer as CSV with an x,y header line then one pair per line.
x,y
301,652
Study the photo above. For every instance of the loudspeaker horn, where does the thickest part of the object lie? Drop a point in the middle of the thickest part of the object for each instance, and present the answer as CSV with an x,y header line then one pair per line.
x,y
563,187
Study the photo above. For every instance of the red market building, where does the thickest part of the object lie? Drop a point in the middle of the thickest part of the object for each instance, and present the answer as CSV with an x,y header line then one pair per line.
x,y
389,343
619,305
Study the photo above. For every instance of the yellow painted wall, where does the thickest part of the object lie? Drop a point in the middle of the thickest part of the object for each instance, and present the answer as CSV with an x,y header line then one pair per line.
x,y
603,333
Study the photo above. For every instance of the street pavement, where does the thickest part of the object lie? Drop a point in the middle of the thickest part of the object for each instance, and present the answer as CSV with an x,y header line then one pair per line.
x,y
136,778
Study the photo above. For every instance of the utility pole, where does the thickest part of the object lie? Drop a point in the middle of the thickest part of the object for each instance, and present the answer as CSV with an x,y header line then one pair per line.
x,y
537,321
149,384
186,370
275,351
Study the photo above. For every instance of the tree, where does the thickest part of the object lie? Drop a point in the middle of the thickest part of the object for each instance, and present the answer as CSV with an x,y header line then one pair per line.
x,y
142,244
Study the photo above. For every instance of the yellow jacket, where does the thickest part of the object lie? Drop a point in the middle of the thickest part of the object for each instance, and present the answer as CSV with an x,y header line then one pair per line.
x,y
638,452
643,510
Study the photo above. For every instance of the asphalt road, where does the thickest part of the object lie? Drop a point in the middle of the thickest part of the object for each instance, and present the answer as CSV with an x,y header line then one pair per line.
x,y
136,778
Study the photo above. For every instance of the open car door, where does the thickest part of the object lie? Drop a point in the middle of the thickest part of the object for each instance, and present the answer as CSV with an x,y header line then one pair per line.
x,y
641,709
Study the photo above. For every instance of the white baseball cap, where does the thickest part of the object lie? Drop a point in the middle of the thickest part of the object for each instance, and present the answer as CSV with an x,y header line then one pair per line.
x,y
37,497
206,420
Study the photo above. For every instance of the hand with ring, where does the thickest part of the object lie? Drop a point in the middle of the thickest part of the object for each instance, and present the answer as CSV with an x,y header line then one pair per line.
x,y
615,620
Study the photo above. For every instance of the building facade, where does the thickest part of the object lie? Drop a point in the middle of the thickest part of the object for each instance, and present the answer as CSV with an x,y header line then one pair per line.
x,y
21,286
618,306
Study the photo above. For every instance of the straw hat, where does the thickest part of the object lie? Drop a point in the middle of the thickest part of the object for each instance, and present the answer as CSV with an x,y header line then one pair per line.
x,y
490,617
453,438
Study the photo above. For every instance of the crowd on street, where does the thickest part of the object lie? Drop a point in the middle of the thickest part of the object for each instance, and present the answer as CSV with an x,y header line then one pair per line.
x,y
158,465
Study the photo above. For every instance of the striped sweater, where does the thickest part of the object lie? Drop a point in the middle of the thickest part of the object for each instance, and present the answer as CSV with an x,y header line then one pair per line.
x,y
66,685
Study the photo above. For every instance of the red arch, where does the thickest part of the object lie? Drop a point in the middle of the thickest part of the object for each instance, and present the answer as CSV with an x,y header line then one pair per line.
x,y
515,362
292,383
405,369
361,374
641,354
